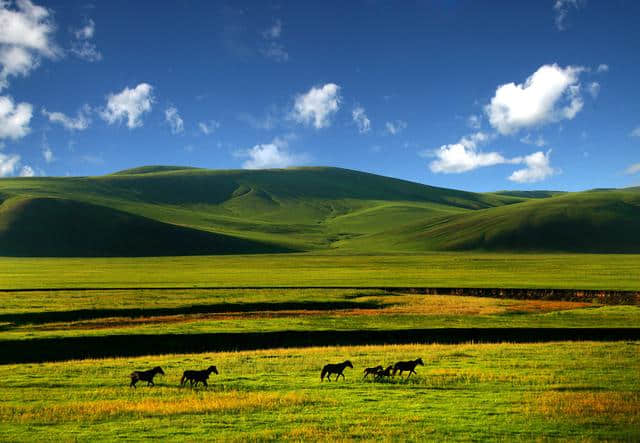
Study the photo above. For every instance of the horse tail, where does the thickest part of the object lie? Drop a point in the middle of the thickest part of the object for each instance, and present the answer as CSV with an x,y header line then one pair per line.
x,y
323,373
182,380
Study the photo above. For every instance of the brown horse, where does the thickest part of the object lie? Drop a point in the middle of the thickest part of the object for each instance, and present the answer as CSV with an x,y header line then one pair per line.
x,y
147,376
337,368
372,371
198,376
407,366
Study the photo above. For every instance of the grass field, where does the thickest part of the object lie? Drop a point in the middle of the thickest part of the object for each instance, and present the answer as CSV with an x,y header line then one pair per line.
x,y
576,271
567,391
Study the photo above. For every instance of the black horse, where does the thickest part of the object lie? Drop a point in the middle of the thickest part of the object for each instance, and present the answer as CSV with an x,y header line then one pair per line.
x,y
147,376
195,377
372,371
407,366
384,373
335,369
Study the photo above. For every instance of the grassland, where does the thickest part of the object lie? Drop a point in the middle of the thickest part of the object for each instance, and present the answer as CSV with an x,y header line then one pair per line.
x,y
574,271
565,391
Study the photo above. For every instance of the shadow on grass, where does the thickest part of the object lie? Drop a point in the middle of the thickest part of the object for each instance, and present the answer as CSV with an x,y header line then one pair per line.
x,y
69,348
216,308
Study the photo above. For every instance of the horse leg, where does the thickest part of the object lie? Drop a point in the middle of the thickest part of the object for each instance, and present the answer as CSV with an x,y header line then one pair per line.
x,y
133,383
204,382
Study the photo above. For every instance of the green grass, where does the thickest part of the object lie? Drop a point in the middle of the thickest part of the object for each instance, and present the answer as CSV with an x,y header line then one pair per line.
x,y
299,209
582,271
565,391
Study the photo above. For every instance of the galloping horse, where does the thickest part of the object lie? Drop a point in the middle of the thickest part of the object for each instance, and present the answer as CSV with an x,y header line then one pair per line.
x,y
335,369
198,376
384,373
407,366
147,376
372,371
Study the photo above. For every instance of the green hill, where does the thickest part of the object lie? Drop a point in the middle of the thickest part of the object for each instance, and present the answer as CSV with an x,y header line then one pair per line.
x,y
167,210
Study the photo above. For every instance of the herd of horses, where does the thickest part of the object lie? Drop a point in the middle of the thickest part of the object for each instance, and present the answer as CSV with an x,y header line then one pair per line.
x,y
194,377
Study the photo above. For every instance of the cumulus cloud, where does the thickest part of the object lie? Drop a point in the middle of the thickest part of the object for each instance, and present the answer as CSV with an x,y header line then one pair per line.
x,y
396,127
361,120
550,94
537,168
128,104
14,118
25,37
8,164
474,121
272,47
172,117
316,106
27,171
464,156
83,47
633,169
602,68
562,8
272,155
79,123
636,132
209,127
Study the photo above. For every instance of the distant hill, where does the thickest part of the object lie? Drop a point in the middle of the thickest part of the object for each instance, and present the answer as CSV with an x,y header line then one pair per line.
x,y
169,210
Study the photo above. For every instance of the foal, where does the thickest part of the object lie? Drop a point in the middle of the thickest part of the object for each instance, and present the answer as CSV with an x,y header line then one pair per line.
x,y
335,369
407,366
384,373
147,376
372,371
198,376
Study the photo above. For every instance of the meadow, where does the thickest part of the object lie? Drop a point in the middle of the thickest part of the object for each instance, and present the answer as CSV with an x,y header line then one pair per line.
x,y
566,391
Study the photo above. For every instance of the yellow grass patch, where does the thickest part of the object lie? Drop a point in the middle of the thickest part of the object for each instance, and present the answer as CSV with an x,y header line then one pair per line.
x,y
617,407
194,404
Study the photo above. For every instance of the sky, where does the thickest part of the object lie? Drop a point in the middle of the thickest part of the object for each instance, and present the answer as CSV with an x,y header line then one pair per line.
x,y
466,94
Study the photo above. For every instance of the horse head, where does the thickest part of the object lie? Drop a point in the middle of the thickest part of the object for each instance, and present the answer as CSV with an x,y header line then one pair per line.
x,y
420,362
158,370
347,364
212,369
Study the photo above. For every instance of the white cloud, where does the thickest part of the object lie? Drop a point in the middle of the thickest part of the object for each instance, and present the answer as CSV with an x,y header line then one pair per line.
x,y
83,48
272,48
537,168
266,122
79,123
272,155
25,36
561,8
551,94
172,117
594,89
633,169
539,141
317,106
47,153
396,127
209,127
474,121
8,164
27,171
636,132
361,120
464,156
129,104
14,119
602,68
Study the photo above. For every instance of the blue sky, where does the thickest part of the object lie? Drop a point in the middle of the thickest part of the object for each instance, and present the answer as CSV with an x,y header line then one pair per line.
x,y
476,95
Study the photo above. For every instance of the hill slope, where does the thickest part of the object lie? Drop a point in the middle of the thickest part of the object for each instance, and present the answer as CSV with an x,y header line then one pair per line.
x,y
598,221
197,211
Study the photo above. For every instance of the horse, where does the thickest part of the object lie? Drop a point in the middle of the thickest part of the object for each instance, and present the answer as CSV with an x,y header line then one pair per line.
x,y
147,376
407,366
198,376
384,373
372,371
335,369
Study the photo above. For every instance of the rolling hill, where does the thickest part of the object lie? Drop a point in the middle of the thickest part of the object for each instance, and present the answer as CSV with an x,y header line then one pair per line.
x,y
170,210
